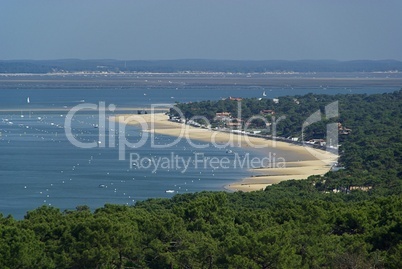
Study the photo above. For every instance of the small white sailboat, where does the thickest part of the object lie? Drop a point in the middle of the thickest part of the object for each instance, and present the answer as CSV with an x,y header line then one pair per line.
x,y
28,101
264,94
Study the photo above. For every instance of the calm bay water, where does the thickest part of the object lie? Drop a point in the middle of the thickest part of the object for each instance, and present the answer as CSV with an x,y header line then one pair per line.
x,y
39,166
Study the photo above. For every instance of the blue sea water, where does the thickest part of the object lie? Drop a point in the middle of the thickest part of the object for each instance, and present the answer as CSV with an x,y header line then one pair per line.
x,y
40,166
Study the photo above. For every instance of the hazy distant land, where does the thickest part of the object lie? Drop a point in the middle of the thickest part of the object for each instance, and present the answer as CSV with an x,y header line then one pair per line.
x,y
197,65
176,73
96,80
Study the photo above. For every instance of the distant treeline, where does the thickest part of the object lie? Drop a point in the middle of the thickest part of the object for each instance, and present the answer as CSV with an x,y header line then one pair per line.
x,y
171,66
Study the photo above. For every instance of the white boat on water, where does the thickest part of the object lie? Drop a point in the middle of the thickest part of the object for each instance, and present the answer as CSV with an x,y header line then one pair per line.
x,y
169,191
28,100
264,94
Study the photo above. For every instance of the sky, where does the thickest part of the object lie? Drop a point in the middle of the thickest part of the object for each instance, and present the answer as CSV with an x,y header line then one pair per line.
x,y
207,29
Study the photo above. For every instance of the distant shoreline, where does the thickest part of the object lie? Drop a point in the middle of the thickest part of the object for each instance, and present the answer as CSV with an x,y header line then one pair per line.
x,y
119,109
196,65
273,80
307,164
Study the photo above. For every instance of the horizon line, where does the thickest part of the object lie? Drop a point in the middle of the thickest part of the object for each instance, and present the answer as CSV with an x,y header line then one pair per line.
x,y
198,59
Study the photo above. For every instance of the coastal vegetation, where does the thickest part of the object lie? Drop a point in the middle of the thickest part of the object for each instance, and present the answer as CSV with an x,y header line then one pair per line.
x,y
350,218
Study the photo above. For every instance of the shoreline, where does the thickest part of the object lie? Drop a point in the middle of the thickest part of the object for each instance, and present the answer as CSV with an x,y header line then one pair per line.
x,y
309,161
67,109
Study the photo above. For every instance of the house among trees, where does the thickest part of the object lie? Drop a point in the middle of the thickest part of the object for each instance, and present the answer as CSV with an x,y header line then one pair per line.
x,y
320,142
361,188
235,98
343,130
267,112
235,122
226,117
223,116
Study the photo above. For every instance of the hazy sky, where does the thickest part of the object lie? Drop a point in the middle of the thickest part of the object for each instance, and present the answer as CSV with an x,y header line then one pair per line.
x,y
207,29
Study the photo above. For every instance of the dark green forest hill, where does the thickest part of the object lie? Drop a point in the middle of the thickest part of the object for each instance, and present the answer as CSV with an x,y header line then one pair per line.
x,y
294,224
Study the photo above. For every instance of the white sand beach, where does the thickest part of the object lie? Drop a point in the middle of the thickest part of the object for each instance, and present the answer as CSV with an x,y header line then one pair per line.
x,y
310,161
